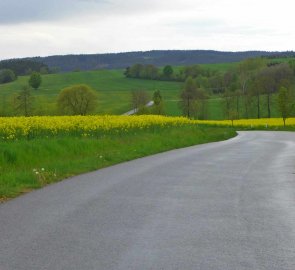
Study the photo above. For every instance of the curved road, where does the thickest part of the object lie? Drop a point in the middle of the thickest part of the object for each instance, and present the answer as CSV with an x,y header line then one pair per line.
x,y
227,205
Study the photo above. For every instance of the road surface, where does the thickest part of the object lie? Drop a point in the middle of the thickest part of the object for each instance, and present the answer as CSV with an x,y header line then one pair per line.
x,y
227,205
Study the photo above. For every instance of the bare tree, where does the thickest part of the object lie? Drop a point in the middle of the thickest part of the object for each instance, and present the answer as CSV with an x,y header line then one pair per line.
x,y
139,99
24,101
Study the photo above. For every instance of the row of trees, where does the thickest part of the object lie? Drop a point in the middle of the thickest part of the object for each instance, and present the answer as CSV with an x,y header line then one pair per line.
x,y
241,87
167,73
193,100
256,79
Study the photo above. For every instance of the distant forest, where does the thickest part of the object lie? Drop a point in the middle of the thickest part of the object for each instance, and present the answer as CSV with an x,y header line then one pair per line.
x,y
66,63
158,58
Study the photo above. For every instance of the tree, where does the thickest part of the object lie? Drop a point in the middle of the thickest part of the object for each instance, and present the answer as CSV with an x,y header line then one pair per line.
x,y
247,70
158,103
139,99
256,91
238,94
271,78
192,71
6,76
233,115
285,103
188,97
35,80
77,100
24,101
168,72
200,108
229,102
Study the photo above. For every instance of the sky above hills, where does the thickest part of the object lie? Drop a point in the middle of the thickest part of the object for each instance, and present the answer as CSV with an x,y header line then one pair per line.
x,y
49,27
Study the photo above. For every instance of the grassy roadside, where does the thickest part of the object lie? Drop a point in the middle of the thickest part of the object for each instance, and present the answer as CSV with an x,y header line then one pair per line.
x,y
30,164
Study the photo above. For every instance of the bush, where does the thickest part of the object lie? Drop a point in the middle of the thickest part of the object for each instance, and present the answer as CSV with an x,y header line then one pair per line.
x,y
35,80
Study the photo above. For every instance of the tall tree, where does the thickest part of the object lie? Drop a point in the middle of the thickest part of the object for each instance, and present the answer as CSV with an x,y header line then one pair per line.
x,y
271,78
285,103
168,71
139,99
188,97
228,97
256,92
24,101
247,70
200,108
158,103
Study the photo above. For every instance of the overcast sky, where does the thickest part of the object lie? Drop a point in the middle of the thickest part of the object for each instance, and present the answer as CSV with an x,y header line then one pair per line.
x,y
50,27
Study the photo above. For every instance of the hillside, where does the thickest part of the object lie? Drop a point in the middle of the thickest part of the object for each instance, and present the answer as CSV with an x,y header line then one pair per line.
x,y
158,58
114,91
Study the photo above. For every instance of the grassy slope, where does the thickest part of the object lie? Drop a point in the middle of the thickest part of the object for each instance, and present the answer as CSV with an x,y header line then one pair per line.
x,y
113,89
67,156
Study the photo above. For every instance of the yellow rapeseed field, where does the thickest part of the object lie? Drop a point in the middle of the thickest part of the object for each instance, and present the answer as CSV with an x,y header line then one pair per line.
x,y
12,128
252,123
30,127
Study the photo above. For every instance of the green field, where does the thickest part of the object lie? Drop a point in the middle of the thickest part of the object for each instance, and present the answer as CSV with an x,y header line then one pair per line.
x,y
114,90
111,85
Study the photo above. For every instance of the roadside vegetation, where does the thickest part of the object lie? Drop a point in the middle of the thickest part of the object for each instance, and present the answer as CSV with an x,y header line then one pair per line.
x,y
42,151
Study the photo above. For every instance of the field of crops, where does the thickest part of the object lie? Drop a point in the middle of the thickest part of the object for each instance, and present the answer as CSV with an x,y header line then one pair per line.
x,y
12,128
252,123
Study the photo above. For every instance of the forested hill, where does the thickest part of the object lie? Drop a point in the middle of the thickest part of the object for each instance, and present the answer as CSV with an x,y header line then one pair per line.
x,y
158,58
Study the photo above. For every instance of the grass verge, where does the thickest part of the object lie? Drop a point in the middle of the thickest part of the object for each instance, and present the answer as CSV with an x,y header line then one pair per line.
x,y
30,164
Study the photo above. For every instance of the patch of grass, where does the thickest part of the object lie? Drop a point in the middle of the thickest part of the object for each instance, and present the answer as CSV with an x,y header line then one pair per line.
x,y
111,85
29,164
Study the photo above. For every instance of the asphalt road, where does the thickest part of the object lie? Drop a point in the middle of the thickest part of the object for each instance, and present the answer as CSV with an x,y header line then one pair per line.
x,y
227,205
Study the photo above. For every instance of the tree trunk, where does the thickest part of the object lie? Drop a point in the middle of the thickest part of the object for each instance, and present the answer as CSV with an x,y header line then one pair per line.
x,y
246,106
258,106
238,105
188,108
268,105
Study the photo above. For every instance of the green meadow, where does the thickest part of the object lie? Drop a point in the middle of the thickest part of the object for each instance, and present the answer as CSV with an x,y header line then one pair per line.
x,y
111,85
114,93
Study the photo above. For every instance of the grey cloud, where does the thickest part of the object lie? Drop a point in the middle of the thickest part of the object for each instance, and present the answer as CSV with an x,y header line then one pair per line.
x,y
20,11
